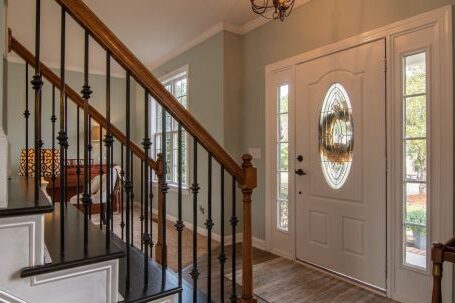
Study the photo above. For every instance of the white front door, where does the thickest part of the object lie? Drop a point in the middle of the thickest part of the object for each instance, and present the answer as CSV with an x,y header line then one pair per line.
x,y
340,138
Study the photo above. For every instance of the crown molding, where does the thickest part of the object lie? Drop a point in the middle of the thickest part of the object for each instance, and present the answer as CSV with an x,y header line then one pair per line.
x,y
222,26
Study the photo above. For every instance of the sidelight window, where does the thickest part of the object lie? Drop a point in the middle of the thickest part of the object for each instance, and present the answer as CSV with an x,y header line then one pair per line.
x,y
415,166
282,148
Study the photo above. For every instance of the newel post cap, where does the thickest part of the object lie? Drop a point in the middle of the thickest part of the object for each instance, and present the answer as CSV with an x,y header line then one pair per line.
x,y
250,173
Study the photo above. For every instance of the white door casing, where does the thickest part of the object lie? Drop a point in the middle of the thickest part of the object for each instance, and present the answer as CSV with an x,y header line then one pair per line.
x,y
344,229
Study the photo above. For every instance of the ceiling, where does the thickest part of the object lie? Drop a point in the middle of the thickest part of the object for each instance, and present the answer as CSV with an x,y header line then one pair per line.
x,y
152,29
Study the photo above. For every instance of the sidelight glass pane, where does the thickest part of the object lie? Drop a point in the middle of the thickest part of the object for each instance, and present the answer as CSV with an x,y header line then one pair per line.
x,y
415,74
415,199
415,222
416,160
283,162
283,185
283,102
283,215
416,117
283,133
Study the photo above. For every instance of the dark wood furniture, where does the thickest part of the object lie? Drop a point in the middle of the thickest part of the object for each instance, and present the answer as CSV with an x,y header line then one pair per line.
x,y
440,253
73,186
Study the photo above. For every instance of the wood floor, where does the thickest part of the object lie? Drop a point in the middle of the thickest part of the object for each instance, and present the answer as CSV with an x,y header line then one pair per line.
x,y
281,281
275,279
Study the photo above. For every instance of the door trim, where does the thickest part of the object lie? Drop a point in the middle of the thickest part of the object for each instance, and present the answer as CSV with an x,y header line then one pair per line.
x,y
442,17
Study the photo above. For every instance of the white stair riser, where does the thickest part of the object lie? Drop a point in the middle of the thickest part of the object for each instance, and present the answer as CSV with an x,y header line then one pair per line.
x,y
94,283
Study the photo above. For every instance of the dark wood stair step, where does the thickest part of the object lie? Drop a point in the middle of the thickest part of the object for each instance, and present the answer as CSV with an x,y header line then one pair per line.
x,y
72,254
21,199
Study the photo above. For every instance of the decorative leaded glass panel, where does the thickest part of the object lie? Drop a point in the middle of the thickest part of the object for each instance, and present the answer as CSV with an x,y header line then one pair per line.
x,y
336,136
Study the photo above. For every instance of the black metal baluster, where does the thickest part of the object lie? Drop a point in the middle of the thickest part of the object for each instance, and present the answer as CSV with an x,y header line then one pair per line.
x,y
108,142
164,189
122,194
26,116
147,238
89,149
53,120
222,256
37,86
209,226
179,224
62,137
86,92
195,189
132,198
78,156
234,221
128,184
113,186
101,173
142,203
65,156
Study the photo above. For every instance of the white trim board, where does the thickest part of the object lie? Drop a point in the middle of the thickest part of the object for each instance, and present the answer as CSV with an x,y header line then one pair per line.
x,y
442,19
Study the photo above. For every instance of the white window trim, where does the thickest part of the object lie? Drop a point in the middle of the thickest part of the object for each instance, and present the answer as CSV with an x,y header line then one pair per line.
x,y
171,76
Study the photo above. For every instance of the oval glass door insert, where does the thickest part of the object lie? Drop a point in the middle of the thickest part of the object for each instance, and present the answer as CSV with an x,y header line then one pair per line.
x,y
336,136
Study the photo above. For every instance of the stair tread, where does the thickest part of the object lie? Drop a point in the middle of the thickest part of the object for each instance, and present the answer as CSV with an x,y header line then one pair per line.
x,y
155,289
21,199
73,252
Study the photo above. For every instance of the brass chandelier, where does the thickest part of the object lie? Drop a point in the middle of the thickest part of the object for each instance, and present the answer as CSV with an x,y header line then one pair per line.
x,y
280,8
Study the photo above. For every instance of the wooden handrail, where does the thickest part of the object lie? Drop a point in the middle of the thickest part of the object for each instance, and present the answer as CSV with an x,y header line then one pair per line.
x,y
107,39
20,50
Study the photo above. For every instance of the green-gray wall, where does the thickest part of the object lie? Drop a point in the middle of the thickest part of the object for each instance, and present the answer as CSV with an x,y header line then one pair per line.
x,y
16,107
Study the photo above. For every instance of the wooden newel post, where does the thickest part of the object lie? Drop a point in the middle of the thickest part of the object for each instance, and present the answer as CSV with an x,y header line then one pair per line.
x,y
437,256
161,220
249,184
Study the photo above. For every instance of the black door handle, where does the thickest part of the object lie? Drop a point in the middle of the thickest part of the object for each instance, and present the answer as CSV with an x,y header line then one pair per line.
x,y
300,172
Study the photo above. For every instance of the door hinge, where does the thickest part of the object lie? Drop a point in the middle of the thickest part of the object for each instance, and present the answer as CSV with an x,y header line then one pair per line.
x,y
385,65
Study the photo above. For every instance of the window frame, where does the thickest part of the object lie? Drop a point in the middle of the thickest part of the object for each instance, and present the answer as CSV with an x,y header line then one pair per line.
x,y
171,78
278,143
428,144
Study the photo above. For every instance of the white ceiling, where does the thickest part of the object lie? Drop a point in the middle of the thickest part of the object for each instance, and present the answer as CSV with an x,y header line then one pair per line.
x,y
152,29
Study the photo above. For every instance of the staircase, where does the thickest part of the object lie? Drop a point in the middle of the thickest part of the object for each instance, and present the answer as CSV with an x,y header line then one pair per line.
x,y
58,252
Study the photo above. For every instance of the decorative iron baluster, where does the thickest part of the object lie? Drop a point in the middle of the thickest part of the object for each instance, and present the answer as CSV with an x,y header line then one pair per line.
x,y
26,116
86,92
108,141
65,156
128,183
132,198
37,84
53,120
78,156
195,189
222,256
89,150
234,221
209,225
101,173
179,224
122,194
62,137
164,189
146,238
141,218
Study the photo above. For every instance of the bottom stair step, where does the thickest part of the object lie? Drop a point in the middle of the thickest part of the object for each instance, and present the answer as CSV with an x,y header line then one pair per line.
x,y
159,285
